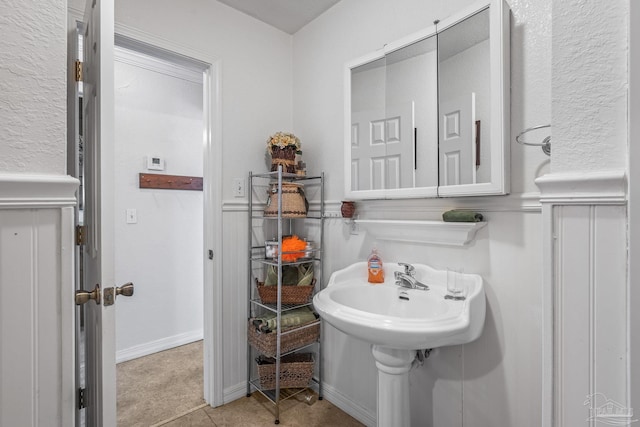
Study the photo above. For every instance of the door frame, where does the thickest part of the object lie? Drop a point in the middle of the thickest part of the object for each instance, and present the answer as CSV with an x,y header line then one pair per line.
x,y
633,214
212,194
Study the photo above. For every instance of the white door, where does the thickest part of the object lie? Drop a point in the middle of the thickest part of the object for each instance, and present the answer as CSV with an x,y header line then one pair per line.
x,y
98,267
457,140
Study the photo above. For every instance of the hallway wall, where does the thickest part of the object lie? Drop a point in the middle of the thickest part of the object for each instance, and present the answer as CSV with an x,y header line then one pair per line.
x,y
158,112
496,380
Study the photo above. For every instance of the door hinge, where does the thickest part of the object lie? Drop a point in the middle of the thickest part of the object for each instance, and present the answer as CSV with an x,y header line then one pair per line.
x,y
78,71
210,254
82,394
81,235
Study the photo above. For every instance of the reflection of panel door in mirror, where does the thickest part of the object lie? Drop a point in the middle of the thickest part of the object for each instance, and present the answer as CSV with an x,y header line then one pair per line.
x,y
399,157
382,149
367,142
457,136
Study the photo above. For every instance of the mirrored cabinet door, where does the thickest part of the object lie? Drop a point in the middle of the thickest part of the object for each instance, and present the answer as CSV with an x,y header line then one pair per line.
x,y
428,115
464,87
411,104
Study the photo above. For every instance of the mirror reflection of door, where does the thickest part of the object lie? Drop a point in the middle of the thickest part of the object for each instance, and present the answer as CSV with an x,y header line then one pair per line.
x,y
464,96
382,149
457,141
367,131
411,99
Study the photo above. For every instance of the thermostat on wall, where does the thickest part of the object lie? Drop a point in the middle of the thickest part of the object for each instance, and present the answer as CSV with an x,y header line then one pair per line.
x,y
155,163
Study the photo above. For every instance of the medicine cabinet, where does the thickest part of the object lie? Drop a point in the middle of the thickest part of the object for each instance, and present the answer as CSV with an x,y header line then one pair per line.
x,y
428,115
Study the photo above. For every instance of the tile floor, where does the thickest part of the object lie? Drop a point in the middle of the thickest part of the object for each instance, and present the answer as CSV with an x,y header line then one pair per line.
x,y
165,389
257,411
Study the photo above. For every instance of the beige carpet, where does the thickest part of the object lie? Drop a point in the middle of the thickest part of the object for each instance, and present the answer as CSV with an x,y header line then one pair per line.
x,y
160,386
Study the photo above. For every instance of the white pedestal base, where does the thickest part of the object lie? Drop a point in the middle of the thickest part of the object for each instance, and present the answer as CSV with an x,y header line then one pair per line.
x,y
393,385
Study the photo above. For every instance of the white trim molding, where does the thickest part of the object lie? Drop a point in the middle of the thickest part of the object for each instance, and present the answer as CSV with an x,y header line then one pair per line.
x,y
585,318
606,187
158,345
31,191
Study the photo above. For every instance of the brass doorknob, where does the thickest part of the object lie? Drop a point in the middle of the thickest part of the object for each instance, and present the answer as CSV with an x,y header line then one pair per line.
x,y
83,296
125,290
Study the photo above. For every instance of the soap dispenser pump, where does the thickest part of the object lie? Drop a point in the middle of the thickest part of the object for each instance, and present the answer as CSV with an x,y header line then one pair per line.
x,y
374,267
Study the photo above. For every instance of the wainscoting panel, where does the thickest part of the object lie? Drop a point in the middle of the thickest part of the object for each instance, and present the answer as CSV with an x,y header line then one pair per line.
x,y
590,333
234,294
36,301
586,337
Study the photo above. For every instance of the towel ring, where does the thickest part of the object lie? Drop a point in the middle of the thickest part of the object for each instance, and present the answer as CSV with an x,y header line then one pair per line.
x,y
545,144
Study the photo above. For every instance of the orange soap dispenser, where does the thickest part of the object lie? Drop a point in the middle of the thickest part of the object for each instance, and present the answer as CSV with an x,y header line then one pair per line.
x,y
374,267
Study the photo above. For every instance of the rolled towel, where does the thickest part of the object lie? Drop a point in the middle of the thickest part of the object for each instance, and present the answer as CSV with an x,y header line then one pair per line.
x,y
461,216
268,322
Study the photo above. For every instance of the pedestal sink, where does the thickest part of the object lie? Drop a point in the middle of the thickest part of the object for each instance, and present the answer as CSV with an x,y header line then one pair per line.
x,y
398,321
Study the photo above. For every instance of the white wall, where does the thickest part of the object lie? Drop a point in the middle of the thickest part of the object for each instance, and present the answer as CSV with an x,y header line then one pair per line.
x,y
592,311
157,114
590,79
256,70
500,375
33,85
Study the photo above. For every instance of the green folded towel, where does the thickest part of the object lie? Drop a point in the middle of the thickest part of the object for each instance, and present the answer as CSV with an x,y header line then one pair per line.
x,y
305,274
301,274
269,321
461,216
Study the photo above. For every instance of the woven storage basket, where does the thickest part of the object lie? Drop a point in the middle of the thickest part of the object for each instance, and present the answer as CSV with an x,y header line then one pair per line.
x,y
294,204
290,339
291,294
296,371
283,156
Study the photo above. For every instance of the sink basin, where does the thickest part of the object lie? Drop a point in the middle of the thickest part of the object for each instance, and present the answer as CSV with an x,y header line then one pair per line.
x,y
387,315
398,321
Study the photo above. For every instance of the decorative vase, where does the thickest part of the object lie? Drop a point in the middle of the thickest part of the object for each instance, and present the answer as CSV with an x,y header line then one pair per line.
x,y
348,209
283,156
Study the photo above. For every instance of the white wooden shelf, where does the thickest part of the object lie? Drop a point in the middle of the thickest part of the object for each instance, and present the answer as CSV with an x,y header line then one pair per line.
x,y
434,232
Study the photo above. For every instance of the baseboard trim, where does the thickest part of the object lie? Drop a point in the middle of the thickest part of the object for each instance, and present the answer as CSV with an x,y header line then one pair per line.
x,y
347,405
234,392
158,345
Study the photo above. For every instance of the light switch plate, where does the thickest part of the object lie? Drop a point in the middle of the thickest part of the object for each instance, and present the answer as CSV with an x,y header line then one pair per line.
x,y
132,216
238,187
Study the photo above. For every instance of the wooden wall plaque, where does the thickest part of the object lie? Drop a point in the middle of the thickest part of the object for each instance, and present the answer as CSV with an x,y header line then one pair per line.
x,y
170,182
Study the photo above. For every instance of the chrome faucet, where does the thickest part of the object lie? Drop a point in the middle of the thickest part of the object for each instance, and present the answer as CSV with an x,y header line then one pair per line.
x,y
407,279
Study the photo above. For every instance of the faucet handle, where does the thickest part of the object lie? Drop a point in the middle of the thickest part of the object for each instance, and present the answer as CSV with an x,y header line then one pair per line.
x,y
408,268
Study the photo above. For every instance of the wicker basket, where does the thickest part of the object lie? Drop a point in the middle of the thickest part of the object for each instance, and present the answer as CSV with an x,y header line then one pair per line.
x,y
296,371
294,204
291,294
290,339
283,156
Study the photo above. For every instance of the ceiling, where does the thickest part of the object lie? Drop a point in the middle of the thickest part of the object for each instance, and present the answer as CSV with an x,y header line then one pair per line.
x,y
287,15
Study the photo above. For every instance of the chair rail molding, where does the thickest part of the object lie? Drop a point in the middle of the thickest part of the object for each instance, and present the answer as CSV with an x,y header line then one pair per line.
x,y
23,191
602,187
585,287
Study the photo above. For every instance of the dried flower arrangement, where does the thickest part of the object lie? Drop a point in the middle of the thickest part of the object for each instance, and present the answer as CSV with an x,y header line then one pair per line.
x,y
283,148
281,140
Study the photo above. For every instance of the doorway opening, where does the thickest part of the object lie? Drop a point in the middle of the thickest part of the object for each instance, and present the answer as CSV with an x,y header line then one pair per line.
x,y
158,232
95,345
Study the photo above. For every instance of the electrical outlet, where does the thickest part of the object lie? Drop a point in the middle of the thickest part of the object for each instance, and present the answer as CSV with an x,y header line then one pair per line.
x,y
238,187
332,214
